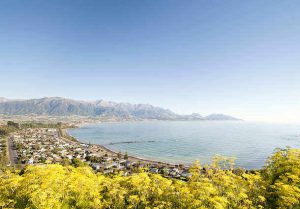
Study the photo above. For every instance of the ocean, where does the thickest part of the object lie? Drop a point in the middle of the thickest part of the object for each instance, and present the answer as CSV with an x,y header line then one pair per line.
x,y
187,141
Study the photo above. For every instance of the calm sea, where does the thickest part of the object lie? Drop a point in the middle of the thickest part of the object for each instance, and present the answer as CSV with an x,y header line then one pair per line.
x,y
185,142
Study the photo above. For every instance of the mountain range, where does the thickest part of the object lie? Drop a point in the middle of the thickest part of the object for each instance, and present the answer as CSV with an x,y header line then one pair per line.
x,y
57,106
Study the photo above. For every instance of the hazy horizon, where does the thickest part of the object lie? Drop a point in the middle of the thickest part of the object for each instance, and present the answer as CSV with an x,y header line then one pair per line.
x,y
237,58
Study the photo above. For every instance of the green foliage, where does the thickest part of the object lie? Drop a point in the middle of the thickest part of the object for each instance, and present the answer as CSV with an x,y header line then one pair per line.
x,y
56,186
78,163
6,130
40,125
3,154
125,156
13,124
282,174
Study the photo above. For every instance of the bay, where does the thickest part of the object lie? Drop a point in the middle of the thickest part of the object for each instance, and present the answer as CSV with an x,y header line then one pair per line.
x,y
187,141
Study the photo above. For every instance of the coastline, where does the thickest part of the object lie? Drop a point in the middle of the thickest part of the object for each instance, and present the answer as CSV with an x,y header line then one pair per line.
x,y
113,153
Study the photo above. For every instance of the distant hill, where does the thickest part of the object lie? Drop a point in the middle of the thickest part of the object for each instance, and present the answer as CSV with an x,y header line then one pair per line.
x,y
219,117
2,99
57,106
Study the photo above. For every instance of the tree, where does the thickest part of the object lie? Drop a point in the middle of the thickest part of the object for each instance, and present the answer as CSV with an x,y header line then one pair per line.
x,y
65,162
13,124
125,156
119,155
282,177
56,186
77,163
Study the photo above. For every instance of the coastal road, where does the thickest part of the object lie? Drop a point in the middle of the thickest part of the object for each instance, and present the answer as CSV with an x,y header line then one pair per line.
x,y
12,152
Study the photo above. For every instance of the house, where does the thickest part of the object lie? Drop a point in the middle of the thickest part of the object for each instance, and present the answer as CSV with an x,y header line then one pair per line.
x,y
128,163
110,165
186,174
70,157
108,171
30,161
153,170
96,166
107,159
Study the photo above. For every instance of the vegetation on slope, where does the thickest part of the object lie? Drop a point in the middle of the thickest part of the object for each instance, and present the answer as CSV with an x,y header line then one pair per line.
x,y
11,126
3,154
56,186
5,130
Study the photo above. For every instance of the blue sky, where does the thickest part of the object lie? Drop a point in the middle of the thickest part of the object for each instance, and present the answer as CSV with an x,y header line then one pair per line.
x,y
236,57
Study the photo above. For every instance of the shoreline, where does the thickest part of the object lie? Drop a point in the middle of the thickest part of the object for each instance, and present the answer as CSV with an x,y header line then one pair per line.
x,y
114,153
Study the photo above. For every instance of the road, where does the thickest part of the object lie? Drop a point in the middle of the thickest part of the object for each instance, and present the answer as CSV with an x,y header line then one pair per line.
x,y
12,152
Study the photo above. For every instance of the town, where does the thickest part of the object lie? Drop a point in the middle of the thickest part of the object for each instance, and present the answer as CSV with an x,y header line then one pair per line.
x,y
34,146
